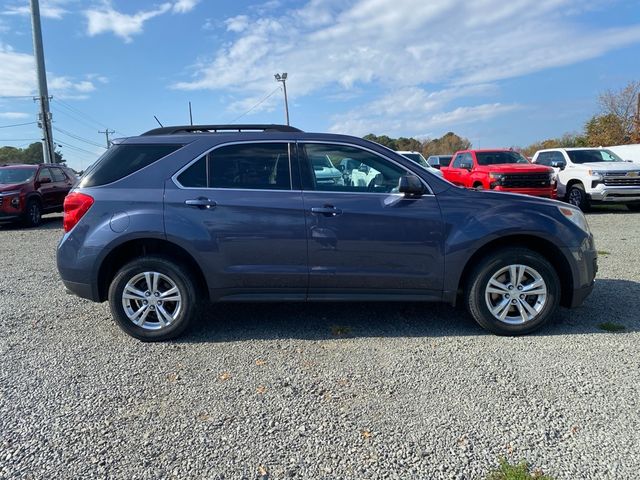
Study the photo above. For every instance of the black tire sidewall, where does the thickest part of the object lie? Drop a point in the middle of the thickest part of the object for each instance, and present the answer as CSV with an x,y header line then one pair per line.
x,y
27,213
477,305
584,201
177,274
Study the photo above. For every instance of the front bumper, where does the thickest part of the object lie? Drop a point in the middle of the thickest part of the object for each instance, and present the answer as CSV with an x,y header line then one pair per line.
x,y
585,268
534,192
604,193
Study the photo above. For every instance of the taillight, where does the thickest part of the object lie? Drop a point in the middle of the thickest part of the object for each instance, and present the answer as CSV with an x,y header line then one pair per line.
x,y
75,206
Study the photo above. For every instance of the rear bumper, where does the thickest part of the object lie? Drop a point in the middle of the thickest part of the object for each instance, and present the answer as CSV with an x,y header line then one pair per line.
x,y
535,192
82,290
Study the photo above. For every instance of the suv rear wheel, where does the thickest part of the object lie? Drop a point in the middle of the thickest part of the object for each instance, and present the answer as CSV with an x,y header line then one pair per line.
x,y
153,299
513,291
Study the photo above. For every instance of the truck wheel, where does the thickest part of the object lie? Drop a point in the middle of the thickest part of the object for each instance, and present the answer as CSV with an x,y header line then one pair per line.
x,y
513,291
634,207
32,214
153,299
576,196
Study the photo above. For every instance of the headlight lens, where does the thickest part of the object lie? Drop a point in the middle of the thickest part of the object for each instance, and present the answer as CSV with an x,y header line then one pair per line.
x,y
596,173
575,216
497,176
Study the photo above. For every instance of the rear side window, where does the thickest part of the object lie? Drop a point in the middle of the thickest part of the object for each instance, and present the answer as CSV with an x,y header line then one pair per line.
x,y
122,160
257,166
58,176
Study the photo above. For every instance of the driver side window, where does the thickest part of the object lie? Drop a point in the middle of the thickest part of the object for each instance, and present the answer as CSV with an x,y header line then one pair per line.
x,y
340,168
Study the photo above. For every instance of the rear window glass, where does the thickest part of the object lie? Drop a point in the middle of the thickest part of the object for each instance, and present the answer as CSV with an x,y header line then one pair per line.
x,y
122,160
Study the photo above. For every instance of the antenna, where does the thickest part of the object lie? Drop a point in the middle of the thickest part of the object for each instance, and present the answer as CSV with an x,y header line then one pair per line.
x,y
158,121
190,114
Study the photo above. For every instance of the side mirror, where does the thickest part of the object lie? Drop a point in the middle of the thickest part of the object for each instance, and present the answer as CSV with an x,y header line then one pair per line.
x,y
410,185
340,167
558,164
466,165
44,180
363,168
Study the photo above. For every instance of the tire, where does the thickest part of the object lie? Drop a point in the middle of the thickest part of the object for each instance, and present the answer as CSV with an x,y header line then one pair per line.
x,y
32,214
633,207
534,267
478,186
576,196
157,321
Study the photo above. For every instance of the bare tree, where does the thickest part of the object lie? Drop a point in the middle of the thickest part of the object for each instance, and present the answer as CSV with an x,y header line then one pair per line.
x,y
623,104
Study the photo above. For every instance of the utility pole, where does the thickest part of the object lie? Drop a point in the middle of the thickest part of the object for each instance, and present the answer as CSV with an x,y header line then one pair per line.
x,y
107,132
283,78
44,118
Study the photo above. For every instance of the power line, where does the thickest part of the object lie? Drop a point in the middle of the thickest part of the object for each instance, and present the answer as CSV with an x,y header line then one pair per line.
x,y
77,137
16,96
256,105
68,145
82,114
18,124
20,139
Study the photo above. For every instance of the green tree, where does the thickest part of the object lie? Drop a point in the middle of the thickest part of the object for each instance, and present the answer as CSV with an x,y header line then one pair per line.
x,y
605,130
448,144
32,154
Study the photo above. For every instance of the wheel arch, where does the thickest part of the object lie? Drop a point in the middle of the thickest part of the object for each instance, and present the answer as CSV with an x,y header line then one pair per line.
x,y
537,244
131,249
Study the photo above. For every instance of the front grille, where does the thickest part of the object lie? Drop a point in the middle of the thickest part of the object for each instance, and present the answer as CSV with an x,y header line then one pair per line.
x,y
531,180
621,179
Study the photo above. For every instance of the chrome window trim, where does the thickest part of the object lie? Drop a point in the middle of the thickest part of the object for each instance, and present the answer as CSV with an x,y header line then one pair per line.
x,y
329,142
174,177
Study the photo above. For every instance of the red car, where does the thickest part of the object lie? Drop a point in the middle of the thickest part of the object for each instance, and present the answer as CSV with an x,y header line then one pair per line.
x,y
500,170
29,191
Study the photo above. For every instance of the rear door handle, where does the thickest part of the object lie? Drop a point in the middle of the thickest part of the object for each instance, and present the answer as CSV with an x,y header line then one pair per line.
x,y
201,203
327,211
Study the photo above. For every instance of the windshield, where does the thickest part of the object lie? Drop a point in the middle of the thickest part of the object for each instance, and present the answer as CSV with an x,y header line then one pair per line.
x,y
321,161
499,158
416,157
595,155
16,175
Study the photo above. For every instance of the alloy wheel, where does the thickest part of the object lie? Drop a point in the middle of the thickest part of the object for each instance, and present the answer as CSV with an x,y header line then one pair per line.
x,y
151,300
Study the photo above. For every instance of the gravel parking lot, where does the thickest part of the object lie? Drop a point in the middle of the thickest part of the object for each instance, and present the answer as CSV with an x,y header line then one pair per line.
x,y
316,391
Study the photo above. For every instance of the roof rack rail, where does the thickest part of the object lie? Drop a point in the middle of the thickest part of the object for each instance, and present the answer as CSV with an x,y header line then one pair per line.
x,y
182,129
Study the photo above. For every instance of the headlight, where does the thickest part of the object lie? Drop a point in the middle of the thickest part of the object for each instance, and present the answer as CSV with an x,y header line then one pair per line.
x,y
575,216
596,173
497,176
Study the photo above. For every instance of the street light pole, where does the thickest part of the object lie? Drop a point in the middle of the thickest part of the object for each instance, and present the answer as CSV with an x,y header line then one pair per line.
x,y
283,78
48,148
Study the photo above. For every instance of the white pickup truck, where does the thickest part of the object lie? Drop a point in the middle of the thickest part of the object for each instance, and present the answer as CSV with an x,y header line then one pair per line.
x,y
589,175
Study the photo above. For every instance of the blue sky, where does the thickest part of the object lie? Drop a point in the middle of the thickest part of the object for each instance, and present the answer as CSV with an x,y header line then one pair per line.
x,y
500,73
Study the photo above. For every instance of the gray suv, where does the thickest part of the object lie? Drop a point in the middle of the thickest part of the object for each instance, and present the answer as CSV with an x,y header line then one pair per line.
x,y
182,215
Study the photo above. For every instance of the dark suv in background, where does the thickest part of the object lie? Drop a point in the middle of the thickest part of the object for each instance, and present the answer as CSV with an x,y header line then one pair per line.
x,y
181,215
29,191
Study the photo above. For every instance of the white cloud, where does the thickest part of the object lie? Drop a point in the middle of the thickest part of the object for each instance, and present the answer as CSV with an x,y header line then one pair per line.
x,y
332,46
18,77
54,9
237,24
184,6
106,19
15,115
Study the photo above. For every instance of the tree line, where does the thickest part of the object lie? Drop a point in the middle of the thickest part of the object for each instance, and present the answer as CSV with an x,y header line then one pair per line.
x,y
32,155
616,123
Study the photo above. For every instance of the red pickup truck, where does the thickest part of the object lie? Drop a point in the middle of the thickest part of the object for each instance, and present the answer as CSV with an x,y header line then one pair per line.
x,y
500,170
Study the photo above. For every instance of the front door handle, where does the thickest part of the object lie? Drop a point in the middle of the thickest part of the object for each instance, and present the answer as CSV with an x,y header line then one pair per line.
x,y
201,203
327,211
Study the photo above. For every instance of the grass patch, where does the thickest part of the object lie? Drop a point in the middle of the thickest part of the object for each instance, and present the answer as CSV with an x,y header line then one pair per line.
x,y
521,471
611,327
339,331
603,252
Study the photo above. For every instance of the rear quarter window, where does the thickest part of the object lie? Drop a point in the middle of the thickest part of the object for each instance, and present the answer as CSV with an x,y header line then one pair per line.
x,y
122,160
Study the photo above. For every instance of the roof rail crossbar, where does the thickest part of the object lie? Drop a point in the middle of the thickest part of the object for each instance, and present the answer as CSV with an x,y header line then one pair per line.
x,y
182,129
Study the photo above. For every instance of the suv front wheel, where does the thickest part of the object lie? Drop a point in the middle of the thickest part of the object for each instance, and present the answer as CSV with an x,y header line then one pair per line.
x,y
513,291
153,299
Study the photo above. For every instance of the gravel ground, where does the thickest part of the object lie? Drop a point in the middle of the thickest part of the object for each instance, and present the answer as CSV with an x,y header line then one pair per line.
x,y
316,391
